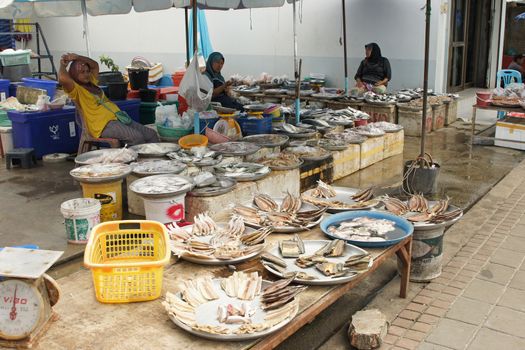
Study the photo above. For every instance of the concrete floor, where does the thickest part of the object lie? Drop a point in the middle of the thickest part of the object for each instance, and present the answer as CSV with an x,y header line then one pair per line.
x,y
30,209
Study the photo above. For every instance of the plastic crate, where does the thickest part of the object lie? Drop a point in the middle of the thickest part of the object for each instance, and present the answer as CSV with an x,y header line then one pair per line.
x,y
255,126
49,85
132,107
208,122
53,131
127,260
147,111
15,58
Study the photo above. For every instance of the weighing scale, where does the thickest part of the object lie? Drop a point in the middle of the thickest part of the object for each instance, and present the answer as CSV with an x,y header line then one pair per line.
x,y
27,295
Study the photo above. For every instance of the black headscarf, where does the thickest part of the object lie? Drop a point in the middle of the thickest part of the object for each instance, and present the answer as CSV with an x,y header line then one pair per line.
x,y
375,55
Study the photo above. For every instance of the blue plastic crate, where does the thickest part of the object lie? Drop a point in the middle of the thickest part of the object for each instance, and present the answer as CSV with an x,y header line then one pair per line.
x,y
131,106
209,122
255,126
53,131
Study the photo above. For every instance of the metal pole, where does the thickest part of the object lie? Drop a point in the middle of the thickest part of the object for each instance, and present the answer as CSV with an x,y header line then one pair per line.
x,y
296,71
195,44
86,27
187,36
344,49
196,119
425,76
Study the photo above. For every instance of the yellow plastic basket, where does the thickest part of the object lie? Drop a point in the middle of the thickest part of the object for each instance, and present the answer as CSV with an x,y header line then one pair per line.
x,y
127,260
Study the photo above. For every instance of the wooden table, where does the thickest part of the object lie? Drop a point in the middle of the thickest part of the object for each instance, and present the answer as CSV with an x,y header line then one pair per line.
x,y
85,323
490,108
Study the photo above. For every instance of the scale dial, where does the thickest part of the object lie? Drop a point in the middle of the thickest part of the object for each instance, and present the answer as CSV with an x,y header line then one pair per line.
x,y
21,308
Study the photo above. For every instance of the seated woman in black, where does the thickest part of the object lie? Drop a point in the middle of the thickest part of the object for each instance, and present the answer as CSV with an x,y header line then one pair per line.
x,y
373,73
213,72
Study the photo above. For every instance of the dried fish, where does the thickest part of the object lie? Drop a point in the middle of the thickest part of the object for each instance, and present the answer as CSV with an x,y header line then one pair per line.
x,y
292,248
363,229
364,195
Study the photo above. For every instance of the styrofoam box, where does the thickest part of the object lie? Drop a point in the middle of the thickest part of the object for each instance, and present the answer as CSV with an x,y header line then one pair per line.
x,y
510,135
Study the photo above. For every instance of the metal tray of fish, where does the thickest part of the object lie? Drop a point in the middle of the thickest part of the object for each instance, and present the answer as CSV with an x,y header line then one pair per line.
x,y
280,167
243,171
158,167
257,107
316,154
206,314
267,140
343,195
99,173
235,148
402,228
108,155
276,91
225,185
310,247
423,226
327,96
158,149
211,260
349,137
209,158
387,127
158,186
292,229
329,144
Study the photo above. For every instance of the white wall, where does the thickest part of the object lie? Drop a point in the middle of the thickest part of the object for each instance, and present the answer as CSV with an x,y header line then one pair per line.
x,y
397,26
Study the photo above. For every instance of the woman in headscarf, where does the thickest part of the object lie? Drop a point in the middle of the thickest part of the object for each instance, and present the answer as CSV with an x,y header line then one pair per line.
x,y
98,112
213,72
373,73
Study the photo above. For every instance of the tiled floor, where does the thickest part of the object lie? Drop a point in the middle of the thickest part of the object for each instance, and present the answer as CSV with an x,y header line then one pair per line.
x,y
479,300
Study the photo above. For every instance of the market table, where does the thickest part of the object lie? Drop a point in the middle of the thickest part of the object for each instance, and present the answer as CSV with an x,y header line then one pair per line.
x,y
84,323
489,108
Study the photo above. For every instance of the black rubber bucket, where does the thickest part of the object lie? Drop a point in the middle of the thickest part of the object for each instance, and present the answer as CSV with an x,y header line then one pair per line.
x,y
118,91
148,95
138,78
420,180
104,78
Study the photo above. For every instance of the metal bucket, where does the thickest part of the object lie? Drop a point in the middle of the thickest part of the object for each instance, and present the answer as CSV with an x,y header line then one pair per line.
x,y
420,180
427,253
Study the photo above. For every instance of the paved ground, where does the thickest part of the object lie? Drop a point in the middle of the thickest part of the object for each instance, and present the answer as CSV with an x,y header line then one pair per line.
x,y
478,302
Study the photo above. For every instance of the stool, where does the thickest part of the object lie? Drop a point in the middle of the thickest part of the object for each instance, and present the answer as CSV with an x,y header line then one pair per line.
x,y
23,156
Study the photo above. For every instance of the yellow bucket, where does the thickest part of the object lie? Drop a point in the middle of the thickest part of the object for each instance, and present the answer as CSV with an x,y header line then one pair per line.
x,y
110,196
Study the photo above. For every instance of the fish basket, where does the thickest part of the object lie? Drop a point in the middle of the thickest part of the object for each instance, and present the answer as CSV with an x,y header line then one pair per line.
x,y
193,140
255,125
172,133
127,260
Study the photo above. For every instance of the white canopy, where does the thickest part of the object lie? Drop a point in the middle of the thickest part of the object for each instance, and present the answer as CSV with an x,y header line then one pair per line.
x,y
10,9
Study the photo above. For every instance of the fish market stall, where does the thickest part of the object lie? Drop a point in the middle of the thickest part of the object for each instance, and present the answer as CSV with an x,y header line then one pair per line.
x,y
148,325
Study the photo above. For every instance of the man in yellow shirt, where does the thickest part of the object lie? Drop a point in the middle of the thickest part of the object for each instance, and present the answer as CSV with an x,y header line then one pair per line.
x,y
99,113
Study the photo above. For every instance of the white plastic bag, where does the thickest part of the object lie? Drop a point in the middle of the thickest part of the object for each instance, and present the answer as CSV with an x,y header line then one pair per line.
x,y
163,113
195,87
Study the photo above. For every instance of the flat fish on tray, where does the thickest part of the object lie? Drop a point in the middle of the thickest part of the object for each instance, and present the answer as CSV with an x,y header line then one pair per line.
x,y
161,185
243,170
363,229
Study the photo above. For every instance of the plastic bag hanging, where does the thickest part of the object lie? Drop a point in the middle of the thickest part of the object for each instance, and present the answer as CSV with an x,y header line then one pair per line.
x,y
195,87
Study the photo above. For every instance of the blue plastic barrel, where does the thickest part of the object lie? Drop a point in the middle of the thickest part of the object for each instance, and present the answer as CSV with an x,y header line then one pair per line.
x,y
49,85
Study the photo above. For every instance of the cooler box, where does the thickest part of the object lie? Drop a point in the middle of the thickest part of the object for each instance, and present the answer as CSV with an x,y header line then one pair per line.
x,y
47,132
55,131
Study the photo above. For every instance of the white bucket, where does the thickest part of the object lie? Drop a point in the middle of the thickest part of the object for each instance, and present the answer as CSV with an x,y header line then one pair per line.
x,y
6,137
165,210
80,215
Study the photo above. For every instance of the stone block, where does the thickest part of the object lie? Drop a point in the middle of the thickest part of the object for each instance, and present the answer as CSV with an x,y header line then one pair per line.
x,y
346,162
367,329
